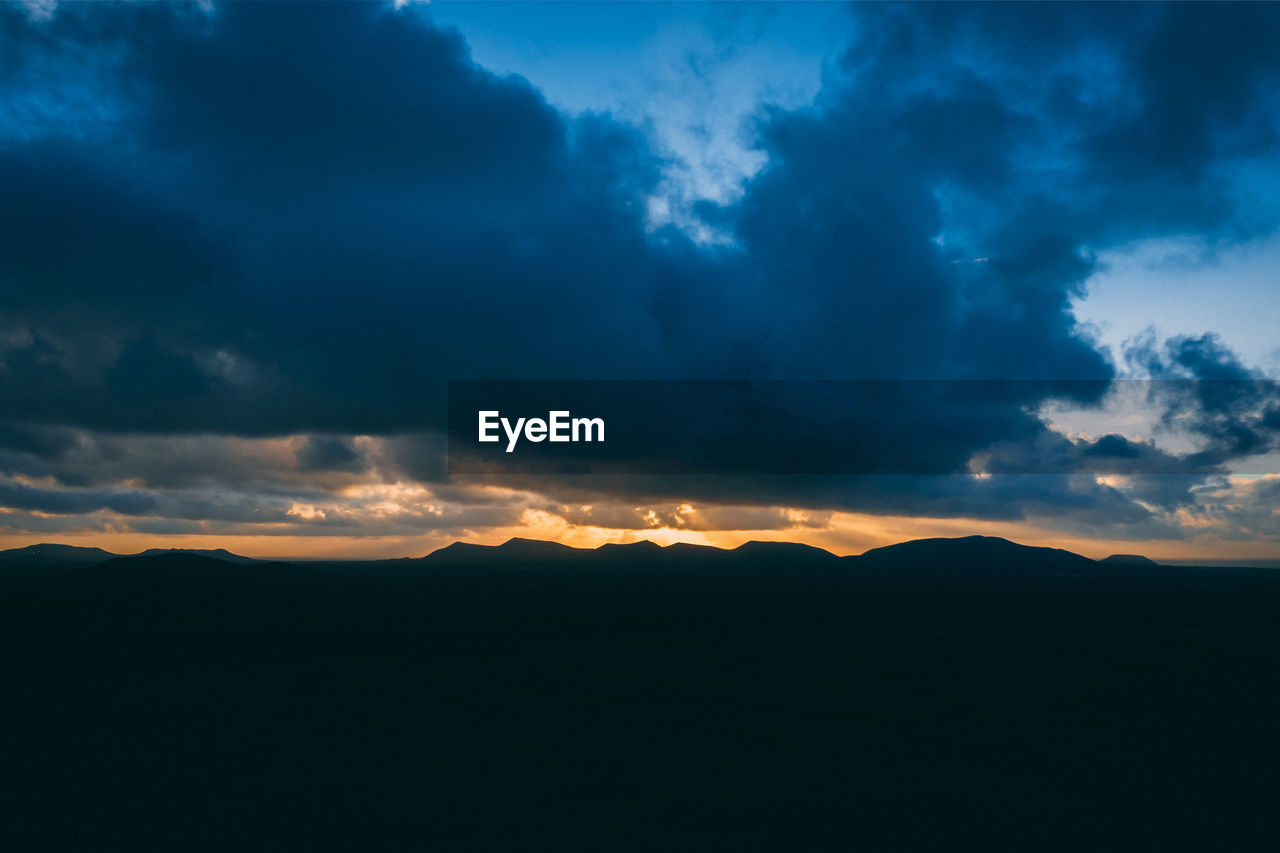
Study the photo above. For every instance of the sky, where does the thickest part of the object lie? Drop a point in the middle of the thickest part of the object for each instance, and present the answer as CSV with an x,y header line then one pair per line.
x,y
246,245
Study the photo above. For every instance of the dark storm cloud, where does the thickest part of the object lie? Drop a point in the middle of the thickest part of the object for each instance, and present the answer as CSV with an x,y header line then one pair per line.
x,y
1000,130
1062,499
283,219
136,502
328,453
1206,391
940,206
315,213
39,442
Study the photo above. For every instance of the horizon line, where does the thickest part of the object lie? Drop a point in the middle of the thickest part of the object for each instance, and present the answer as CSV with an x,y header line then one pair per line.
x,y
584,549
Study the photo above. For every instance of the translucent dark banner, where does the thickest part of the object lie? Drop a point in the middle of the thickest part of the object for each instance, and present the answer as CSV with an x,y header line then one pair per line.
x,y
846,427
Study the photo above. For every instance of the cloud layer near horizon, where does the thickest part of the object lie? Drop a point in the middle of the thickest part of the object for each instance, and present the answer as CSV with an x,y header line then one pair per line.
x,y
245,245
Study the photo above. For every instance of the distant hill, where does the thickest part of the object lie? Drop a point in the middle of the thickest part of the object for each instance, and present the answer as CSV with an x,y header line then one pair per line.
x,y
156,581
519,551
52,553
1128,560
162,561
214,553
643,546
970,554
513,551
782,550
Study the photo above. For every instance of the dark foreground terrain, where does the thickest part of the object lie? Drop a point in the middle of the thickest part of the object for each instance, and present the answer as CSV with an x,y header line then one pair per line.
x,y
958,694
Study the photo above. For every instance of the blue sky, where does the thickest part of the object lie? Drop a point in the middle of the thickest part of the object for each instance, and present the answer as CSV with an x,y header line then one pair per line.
x,y
693,75
1184,285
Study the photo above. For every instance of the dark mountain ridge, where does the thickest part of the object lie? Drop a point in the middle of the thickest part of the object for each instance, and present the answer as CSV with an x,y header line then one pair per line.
x,y
1128,560
969,555
949,555
213,553
956,556
54,553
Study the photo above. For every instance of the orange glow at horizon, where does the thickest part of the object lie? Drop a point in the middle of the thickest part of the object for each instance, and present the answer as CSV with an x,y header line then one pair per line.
x,y
847,533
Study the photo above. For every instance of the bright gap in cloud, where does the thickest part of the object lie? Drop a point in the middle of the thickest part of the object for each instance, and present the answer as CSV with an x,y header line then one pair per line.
x,y
693,76
1189,286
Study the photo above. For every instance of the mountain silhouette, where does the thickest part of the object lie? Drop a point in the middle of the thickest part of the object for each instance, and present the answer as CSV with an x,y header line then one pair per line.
x,y
691,548
788,550
213,553
641,546
175,559
181,567
520,551
943,558
1128,560
514,551
970,554
64,554
52,553
949,557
